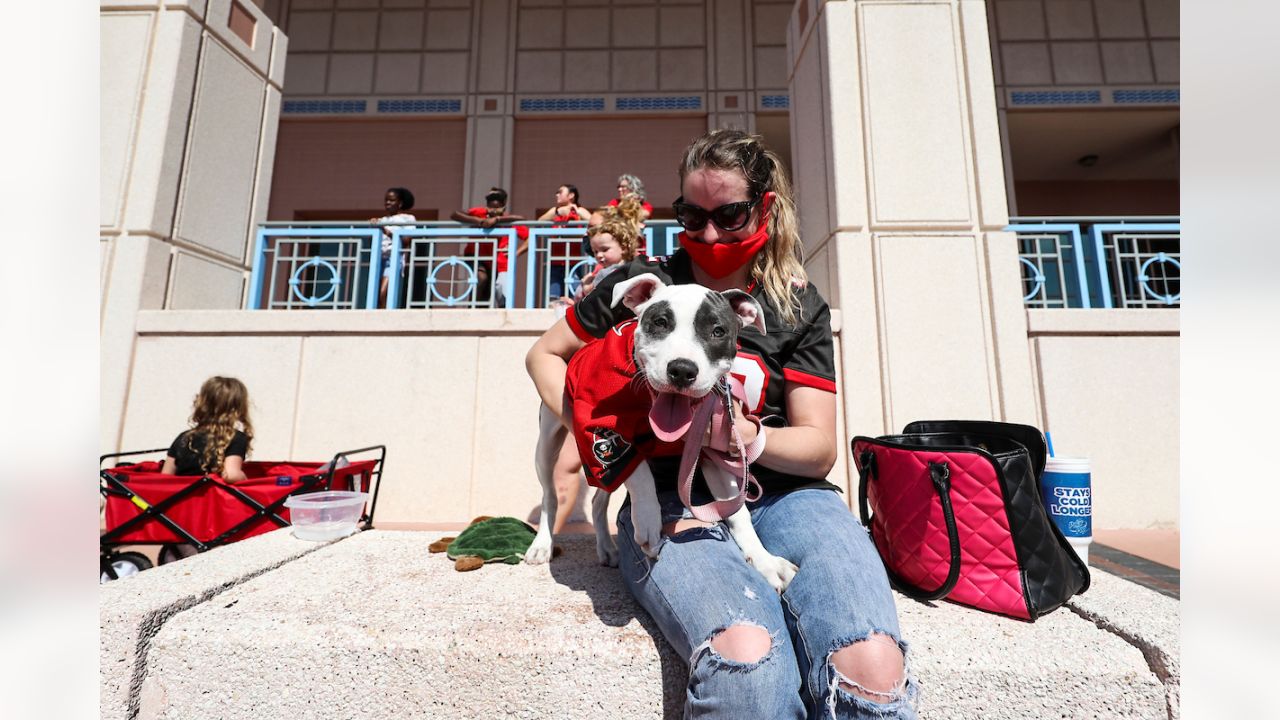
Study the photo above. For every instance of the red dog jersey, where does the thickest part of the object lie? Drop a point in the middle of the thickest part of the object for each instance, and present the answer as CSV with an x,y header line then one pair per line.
x,y
611,409
789,354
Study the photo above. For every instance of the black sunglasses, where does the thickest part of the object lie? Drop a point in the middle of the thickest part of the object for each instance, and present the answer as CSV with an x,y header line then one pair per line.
x,y
730,218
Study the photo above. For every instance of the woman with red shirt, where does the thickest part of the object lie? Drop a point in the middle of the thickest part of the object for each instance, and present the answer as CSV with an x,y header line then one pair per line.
x,y
563,252
494,212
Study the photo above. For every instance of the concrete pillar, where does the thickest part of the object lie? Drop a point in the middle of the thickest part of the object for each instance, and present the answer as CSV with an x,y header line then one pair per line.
x,y
190,102
730,72
902,199
491,102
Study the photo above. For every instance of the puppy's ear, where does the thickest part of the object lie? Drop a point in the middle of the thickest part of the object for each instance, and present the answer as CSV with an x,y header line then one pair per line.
x,y
747,308
637,290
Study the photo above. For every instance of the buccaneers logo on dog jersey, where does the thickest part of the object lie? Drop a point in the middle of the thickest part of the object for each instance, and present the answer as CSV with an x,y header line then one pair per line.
x,y
607,445
611,409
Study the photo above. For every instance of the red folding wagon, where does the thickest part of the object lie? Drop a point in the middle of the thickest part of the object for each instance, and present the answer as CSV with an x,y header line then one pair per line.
x,y
183,514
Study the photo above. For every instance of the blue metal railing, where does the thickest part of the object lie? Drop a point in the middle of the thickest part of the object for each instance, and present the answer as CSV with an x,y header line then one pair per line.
x,y
337,266
334,266
1100,262
452,266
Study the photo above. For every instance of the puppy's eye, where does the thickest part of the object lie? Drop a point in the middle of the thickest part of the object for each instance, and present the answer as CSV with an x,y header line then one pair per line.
x,y
660,322
717,331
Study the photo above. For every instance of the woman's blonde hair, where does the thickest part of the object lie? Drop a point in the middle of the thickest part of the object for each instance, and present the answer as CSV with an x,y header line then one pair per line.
x,y
624,222
221,403
779,266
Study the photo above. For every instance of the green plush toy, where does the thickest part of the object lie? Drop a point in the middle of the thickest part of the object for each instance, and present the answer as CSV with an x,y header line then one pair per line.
x,y
486,540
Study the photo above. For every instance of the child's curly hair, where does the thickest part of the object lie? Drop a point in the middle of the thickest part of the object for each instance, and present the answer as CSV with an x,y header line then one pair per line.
x,y
624,222
221,403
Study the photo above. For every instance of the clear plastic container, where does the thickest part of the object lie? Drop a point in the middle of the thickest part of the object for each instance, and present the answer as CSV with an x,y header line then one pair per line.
x,y
327,515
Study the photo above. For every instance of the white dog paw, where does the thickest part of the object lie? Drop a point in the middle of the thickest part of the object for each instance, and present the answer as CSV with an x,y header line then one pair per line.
x,y
648,538
539,551
607,552
647,519
778,572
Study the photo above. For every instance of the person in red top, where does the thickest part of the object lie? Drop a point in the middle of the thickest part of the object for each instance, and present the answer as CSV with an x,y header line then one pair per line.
x,y
493,213
563,253
631,185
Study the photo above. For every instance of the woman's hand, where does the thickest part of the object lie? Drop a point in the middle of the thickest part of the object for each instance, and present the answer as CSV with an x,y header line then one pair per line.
x,y
746,429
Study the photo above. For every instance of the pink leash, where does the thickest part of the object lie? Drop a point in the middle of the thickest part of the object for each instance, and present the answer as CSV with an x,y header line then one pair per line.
x,y
716,410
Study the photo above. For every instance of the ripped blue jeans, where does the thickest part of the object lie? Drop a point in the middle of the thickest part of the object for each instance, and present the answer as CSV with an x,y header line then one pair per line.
x,y
700,585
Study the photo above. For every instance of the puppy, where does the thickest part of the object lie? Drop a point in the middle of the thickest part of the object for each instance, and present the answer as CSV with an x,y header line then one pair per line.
x,y
685,340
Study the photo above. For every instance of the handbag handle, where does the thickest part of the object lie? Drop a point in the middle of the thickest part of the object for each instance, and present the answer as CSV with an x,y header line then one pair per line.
x,y
940,474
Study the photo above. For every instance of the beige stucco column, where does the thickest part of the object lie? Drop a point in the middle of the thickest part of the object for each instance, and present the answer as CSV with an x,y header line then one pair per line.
x,y
901,189
190,101
491,102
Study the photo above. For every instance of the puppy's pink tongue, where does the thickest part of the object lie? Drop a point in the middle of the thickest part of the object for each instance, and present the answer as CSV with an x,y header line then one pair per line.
x,y
671,416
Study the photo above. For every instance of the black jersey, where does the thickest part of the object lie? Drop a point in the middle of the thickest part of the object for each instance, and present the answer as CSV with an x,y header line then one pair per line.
x,y
802,354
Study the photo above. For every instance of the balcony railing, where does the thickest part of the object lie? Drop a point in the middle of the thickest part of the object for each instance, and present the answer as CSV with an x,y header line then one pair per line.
x,y
331,266
1100,262
1065,263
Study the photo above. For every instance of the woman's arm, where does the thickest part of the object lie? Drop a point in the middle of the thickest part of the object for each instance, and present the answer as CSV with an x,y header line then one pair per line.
x,y
465,218
170,466
547,360
582,213
807,446
233,469
548,215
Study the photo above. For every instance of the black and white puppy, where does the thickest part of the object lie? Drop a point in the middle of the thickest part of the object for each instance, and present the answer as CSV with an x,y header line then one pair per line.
x,y
685,343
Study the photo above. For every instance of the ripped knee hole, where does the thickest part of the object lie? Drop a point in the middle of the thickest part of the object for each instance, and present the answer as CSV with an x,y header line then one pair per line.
x,y
678,526
742,643
873,667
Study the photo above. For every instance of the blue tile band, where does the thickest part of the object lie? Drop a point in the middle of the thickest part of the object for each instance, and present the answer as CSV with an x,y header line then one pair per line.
x,y
673,102
775,102
1057,97
419,106
595,104
324,106
1147,96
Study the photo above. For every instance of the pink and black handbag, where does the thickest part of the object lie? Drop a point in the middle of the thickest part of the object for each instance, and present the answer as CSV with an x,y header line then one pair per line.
x,y
954,510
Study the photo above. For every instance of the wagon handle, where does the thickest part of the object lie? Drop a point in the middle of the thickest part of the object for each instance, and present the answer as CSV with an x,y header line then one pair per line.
x,y
104,458
382,458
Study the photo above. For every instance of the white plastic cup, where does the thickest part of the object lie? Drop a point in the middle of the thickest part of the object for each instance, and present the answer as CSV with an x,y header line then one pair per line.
x,y
1067,492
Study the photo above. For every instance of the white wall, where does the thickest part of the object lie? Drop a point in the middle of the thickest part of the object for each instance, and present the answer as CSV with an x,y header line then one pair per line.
x,y
1108,391
445,391
189,111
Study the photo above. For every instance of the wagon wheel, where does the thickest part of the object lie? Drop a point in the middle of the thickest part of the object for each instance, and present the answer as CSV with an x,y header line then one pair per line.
x,y
126,564
170,552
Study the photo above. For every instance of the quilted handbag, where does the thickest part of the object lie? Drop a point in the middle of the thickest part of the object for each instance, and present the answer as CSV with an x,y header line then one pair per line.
x,y
954,510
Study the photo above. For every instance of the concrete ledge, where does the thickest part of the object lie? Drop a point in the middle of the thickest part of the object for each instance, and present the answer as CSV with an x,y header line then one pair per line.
x,y
355,322
375,626
1098,321
1149,621
133,609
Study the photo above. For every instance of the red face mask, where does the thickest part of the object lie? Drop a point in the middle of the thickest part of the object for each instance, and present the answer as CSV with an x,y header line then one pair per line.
x,y
722,258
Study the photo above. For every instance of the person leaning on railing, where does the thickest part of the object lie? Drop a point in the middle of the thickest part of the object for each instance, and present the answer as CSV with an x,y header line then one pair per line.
x,y
491,214
396,202
566,210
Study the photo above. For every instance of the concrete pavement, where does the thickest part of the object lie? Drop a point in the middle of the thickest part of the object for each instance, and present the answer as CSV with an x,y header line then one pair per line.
x,y
375,626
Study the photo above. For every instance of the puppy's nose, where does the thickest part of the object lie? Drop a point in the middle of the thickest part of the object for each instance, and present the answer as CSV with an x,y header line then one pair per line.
x,y
682,372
